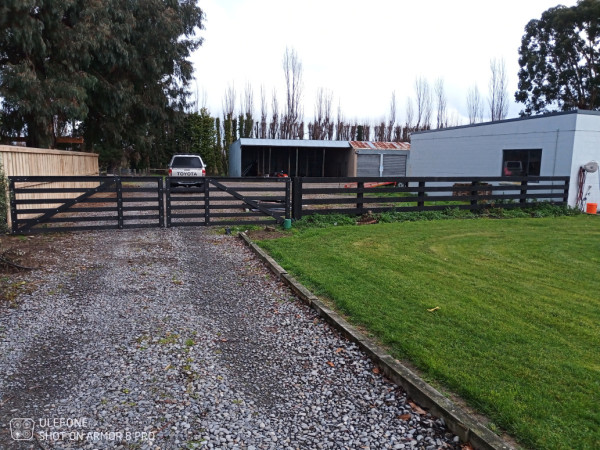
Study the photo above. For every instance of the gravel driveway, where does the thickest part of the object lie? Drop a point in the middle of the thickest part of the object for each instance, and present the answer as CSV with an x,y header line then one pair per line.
x,y
180,338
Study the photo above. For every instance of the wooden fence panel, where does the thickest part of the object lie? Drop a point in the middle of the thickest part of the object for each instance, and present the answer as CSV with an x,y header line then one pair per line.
x,y
27,162
359,195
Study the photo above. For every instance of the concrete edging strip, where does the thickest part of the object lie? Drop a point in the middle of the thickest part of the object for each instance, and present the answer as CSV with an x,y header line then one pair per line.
x,y
457,420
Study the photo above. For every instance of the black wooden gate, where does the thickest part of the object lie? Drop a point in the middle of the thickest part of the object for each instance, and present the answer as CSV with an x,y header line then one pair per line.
x,y
44,204
227,201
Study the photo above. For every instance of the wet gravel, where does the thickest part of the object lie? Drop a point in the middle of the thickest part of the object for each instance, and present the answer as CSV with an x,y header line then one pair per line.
x,y
181,338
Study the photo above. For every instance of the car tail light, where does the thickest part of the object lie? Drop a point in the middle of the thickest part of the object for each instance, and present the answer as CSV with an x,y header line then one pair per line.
x,y
170,171
203,172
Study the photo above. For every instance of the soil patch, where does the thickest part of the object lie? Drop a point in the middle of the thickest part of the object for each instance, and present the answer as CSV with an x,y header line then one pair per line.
x,y
266,233
366,219
36,252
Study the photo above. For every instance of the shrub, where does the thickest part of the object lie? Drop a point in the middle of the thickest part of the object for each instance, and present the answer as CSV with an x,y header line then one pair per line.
x,y
538,209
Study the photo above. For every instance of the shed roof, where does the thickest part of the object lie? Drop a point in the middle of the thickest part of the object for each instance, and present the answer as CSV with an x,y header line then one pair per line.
x,y
514,119
295,143
368,145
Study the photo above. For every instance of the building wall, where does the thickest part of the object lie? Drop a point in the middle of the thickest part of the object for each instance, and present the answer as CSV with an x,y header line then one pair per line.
x,y
567,141
477,150
235,159
586,148
398,168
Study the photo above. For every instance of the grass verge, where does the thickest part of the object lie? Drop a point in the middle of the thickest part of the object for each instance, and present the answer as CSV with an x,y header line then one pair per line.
x,y
517,331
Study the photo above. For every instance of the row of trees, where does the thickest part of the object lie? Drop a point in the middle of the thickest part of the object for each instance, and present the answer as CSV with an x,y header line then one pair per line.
x,y
429,109
117,74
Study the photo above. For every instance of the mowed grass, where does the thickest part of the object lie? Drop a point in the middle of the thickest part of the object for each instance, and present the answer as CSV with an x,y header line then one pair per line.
x,y
517,332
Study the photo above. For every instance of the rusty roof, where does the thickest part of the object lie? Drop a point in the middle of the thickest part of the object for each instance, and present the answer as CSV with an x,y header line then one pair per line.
x,y
368,145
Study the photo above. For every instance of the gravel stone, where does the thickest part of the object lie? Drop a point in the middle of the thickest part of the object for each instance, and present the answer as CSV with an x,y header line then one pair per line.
x,y
181,338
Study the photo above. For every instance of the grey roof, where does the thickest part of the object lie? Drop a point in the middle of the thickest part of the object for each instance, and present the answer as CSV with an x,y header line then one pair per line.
x,y
515,119
300,143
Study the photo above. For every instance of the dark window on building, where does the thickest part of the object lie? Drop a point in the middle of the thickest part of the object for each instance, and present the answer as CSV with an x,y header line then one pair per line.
x,y
521,163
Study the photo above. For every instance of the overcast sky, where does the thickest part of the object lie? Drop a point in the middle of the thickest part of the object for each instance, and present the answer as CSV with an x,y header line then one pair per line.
x,y
361,51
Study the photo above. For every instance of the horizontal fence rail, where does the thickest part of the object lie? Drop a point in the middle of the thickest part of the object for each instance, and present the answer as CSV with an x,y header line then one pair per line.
x,y
227,201
42,204
45,204
362,195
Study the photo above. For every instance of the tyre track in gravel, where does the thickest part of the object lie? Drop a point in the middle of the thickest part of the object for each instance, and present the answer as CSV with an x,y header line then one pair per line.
x,y
182,339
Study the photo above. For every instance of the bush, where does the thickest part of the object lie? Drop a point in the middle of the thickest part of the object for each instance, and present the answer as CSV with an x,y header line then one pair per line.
x,y
540,209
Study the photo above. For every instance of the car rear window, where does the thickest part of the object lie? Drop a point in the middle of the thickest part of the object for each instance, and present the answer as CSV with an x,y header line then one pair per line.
x,y
190,162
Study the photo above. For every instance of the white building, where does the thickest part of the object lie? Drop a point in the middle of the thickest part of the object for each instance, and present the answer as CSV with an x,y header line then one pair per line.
x,y
555,144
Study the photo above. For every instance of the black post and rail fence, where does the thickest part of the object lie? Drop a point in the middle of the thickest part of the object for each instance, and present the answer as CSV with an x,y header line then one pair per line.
x,y
358,196
42,204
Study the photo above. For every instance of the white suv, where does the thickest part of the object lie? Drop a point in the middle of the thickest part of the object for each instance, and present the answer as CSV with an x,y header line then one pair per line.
x,y
186,166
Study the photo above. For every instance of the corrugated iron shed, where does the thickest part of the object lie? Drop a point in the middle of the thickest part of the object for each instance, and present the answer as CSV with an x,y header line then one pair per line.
x,y
368,145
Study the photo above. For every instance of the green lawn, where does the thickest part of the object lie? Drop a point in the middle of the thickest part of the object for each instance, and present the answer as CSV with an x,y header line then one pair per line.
x,y
517,334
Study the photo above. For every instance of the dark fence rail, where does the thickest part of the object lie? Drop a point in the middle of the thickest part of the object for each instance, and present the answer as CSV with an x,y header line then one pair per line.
x,y
227,201
373,194
45,204
41,204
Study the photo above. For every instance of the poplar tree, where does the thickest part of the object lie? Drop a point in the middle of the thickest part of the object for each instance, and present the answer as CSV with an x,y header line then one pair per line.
x,y
219,148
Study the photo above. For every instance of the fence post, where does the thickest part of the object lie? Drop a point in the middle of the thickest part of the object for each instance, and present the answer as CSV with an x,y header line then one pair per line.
x,y
474,193
207,202
288,198
13,206
360,197
168,205
119,188
421,194
523,198
297,198
161,203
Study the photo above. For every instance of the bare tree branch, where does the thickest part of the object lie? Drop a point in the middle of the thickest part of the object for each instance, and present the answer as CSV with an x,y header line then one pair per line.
x,y
424,101
262,129
392,118
292,69
248,111
274,125
409,125
440,95
322,126
498,93
474,105
229,101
